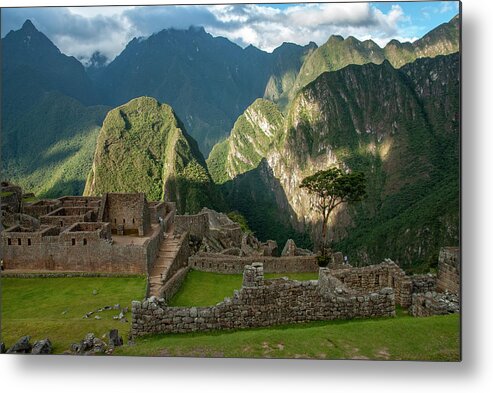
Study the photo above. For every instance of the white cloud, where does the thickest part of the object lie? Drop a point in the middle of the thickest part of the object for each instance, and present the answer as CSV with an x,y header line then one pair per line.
x,y
79,31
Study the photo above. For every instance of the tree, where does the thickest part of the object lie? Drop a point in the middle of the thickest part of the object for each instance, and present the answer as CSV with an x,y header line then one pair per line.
x,y
333,187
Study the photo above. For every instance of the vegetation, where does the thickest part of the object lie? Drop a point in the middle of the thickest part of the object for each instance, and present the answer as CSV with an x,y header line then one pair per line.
x,y
54,307
143,147
338,53
331,188
402,338
241,220
207,289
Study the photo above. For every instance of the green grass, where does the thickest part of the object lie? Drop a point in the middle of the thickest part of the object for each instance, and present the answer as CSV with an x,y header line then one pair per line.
x,y
401,338
53,307
207,289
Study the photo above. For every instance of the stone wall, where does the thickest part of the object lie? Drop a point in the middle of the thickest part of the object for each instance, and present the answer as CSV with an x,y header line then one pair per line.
x,y
157,210
448,277
64,217
128,213
172,286
262,303
196,225
229,264
433,303
75,251
424,283
42,207
152,247
375,277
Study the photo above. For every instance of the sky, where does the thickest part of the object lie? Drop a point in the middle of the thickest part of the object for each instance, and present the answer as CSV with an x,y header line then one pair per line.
x,y
80,31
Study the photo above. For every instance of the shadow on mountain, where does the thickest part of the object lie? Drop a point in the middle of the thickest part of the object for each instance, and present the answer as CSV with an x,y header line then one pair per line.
x,y
62,188
260,197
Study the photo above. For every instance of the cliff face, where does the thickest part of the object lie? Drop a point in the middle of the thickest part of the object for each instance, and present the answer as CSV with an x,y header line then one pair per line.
x,y
251,138
400,127
143,147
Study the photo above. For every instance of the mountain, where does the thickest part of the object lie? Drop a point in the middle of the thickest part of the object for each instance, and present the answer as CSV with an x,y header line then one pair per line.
x,y
338,52
399,126
250,141
208,80
49,126
143,147
286,64
32,65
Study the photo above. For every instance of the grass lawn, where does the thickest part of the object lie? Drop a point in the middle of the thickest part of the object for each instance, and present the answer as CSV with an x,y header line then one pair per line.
x,y
400,338
207,289
53,307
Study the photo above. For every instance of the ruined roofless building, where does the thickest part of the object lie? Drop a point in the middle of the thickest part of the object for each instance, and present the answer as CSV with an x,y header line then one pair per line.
x,y
115,233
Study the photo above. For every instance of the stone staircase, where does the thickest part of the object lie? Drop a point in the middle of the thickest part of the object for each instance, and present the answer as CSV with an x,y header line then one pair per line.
x,y
167,253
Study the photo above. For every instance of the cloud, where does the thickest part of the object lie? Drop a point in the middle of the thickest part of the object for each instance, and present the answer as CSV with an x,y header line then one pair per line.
x,y
80,31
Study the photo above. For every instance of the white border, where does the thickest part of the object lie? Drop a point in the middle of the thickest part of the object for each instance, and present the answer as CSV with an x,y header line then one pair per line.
x,y
76,374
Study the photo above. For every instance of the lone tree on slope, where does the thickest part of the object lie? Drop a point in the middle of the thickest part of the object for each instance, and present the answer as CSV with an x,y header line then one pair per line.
x,y
333,187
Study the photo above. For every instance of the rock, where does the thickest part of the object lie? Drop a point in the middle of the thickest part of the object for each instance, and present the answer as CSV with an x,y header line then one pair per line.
x,y
234,251
97,317
114,339
21,346
42,347
270,248
94,291
116,307
289,249
99,346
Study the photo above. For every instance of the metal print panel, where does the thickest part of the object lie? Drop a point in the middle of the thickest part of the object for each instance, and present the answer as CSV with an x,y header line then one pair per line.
x,y
245,180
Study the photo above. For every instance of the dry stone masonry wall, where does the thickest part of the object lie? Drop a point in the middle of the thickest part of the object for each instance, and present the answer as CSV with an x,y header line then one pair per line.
x,y
264,303
375,277
228,264
448,277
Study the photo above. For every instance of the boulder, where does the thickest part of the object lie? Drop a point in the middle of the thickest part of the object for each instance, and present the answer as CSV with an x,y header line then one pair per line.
x,y
270,248
114,339
21,346
289,249
42,347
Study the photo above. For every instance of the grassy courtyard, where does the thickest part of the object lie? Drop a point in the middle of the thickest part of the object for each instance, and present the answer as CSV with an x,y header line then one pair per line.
x,y
400,338
207,289
54,307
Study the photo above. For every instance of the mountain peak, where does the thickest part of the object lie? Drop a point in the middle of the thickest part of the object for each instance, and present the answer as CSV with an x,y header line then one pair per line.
x,y
28,26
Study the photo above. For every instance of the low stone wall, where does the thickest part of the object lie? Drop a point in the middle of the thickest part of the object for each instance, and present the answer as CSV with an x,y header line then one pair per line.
x,y
18,274
152,248
263,303
433,303
448,277
375,277
228,264
196,225
42,207
174,283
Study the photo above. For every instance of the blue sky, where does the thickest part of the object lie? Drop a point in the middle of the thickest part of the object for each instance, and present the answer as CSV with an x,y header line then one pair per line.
x,y
79,31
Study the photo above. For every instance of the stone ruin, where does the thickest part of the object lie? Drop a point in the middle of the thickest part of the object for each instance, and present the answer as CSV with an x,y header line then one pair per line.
x,y
262,302
123,233
441,295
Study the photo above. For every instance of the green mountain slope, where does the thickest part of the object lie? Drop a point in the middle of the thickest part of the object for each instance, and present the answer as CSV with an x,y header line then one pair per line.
x,y
400,127
338,52
208,80
250,141
48,128
143,147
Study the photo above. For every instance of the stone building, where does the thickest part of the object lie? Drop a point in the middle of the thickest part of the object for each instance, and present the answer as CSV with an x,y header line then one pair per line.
x,y
115,233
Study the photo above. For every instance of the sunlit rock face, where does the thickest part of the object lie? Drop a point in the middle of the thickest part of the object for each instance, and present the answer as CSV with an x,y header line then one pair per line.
x,y
385,122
